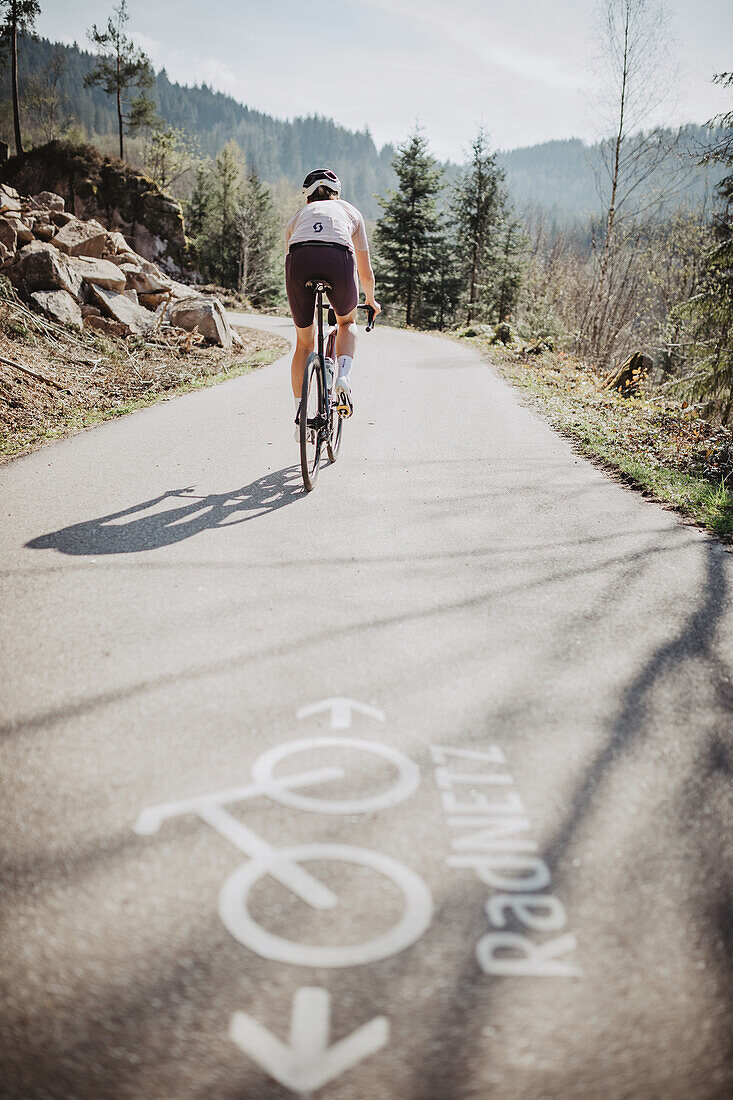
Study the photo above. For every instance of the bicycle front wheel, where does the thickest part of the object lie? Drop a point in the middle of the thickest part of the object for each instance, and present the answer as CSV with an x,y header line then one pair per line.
x,y
312,401
336,427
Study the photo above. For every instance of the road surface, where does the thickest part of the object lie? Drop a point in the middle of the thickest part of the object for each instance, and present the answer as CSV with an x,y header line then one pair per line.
x,y
418,786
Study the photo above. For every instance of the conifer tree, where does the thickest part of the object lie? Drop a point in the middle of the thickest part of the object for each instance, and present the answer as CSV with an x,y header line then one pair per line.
x,y
19,17
710,311
478,207
120,67
510,263
408,231
227,195
258,237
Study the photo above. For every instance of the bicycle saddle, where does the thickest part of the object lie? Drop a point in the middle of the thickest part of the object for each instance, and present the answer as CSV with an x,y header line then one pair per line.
x,y
318,285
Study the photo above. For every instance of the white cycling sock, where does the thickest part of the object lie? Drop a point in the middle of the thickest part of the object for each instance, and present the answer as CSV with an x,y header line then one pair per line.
x,y
345,362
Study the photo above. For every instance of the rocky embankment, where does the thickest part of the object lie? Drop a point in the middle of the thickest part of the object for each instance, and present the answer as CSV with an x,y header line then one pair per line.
x,y
77,272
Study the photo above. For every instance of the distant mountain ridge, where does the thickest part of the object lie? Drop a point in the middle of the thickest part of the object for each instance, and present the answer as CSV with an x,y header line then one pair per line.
x,y
558,176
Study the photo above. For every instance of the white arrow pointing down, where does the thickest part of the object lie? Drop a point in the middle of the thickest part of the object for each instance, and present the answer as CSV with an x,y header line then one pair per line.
x,y
308,1062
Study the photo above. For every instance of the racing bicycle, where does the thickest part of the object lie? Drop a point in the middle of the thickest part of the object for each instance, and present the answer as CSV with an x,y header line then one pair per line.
x,y
321,423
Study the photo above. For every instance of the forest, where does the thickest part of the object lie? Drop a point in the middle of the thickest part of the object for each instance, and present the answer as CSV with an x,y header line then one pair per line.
x,y
594,251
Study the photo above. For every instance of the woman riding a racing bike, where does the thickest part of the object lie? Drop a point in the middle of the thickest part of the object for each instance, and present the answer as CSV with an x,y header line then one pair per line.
x,y
327,240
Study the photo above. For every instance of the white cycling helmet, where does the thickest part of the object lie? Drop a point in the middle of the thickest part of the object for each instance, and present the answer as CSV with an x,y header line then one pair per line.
x,y
322,177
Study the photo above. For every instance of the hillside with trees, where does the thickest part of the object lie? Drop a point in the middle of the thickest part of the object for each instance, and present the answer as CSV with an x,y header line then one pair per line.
x,y
560,177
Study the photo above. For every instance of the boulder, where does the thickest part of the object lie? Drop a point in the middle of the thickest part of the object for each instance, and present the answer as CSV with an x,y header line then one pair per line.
x,y
90,311
204,314
9,199
46,200
105,325
78,238
61,217
23,232
100,272
144,282
119,244
121,309
152,301
44,231
43,267
12,270
59,306
8,235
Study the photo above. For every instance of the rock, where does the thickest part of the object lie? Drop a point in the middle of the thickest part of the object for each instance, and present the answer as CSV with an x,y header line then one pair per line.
x,y
100,272
59,306
46,200
6,255
78,238
61,217
43,267
119,244
120,308
180,291
132,295
23,231
90,311
9,199
152,301
8,235
12,270
105,325
144,282
204,314
44,231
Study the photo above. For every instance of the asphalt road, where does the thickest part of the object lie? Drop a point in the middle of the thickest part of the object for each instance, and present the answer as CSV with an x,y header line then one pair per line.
x,y
506,873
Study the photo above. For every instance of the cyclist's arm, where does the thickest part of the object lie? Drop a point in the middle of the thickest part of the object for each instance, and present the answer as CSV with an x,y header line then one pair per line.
x,y
366,277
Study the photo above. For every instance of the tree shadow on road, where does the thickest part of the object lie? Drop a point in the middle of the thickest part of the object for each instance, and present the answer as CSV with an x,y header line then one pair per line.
x,y
148,526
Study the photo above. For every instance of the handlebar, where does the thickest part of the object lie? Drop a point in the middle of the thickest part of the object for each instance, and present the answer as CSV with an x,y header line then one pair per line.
x,y
371,316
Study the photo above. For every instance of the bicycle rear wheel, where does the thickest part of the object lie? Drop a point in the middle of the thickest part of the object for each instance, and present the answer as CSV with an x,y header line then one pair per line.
x,y
312,402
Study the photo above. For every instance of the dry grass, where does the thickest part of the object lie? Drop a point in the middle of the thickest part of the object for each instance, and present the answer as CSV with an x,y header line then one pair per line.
x,y
84,379
656,443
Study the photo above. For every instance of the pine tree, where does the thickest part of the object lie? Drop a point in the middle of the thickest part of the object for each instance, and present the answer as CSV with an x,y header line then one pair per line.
x,y
198,207
19,18
511,261
258,239
478,207
120,67
710,312
227,194
408,230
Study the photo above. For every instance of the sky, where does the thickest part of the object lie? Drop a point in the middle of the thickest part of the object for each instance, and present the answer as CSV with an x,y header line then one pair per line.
x,y
526,70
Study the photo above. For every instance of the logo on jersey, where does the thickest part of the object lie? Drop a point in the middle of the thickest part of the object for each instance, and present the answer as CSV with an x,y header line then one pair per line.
x,y
318,227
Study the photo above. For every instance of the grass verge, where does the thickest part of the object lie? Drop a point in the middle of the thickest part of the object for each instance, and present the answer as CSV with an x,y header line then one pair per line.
x,y
655,443
54,382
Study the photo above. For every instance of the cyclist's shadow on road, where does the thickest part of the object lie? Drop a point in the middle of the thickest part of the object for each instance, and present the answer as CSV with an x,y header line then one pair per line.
x,y
129,532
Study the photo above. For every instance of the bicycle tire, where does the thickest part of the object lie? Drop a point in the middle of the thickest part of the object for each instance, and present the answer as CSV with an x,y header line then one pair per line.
x,y
311,408
336,424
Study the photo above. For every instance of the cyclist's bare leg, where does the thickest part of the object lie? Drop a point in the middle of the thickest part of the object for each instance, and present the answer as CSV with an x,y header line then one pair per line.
x,y
345,348
346,335
306,342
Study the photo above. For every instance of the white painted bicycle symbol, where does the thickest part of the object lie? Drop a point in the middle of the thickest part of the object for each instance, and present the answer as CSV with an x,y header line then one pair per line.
x,y
285,865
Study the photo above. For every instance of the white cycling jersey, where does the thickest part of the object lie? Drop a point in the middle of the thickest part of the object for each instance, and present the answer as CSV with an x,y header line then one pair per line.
x,y
332,221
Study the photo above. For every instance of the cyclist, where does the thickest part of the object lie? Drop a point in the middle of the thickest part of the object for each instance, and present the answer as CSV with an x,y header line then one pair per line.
x,y
327,240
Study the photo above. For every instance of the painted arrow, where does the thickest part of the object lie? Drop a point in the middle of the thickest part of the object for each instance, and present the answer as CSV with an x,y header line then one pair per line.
x,y
308,1062
340,711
